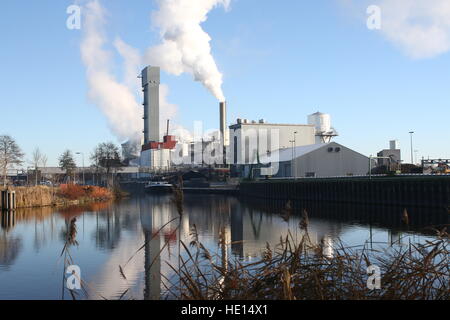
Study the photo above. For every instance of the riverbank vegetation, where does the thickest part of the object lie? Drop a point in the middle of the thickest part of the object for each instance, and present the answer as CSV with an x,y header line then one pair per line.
x,y
301,270
77,192
64,195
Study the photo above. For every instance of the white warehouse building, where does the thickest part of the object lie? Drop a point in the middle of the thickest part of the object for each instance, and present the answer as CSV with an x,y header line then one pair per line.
x,y
252,140
319,160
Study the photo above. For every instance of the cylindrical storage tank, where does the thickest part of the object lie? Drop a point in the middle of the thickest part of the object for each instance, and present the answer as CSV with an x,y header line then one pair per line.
x,y
321,121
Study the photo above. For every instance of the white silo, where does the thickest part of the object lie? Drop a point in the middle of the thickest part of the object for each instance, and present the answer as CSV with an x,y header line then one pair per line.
x,y
322,123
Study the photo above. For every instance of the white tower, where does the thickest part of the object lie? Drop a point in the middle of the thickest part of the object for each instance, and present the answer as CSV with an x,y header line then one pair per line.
x,y
150,87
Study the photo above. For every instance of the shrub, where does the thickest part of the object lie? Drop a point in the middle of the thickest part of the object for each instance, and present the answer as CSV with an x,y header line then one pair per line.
x,y
75,192
71,191
98,193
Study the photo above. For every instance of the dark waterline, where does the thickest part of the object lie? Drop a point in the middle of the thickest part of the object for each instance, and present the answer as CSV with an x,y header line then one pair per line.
x,y
31,241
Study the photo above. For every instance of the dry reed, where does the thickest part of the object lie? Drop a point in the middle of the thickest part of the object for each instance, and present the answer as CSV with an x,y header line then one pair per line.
x,y
301,271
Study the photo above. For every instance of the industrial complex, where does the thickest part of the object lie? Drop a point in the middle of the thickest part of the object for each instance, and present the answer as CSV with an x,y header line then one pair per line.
x,y
247,148
243,149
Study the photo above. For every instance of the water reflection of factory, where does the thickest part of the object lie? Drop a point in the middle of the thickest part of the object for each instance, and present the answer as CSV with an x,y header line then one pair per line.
x,y
163,228
246,232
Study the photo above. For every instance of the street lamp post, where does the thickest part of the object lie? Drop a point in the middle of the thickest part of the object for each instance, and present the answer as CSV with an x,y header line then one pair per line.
x,y
412,150
292,156
82,156
295,154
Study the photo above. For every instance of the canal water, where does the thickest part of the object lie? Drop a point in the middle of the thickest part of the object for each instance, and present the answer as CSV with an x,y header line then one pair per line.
x,y
115,243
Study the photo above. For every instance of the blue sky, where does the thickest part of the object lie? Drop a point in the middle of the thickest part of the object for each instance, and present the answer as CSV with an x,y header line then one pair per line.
x,y
281,61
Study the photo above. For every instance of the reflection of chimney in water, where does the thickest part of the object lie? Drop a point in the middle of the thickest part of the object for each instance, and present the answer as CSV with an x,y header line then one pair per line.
x,y
152,259
237,230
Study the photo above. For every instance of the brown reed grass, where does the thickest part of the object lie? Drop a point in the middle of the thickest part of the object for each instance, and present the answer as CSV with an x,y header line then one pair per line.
x,y
300,271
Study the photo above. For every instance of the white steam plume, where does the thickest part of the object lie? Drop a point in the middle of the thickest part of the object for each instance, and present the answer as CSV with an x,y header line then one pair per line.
x,y
420,28
115,99
132,62
185,45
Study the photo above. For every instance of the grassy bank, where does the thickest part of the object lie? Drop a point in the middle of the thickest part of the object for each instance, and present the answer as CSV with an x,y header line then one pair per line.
x,y
66,194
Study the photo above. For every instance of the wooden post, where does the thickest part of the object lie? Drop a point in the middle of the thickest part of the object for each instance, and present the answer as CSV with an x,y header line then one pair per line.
x,y
8,200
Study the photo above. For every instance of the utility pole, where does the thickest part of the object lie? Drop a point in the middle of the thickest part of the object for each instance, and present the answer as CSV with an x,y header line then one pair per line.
x,y
412,150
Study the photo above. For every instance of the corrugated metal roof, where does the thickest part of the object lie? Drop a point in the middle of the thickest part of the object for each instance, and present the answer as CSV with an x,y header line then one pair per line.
x,y
286,154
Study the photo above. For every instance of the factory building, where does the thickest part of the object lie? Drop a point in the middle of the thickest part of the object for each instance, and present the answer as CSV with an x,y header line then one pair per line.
x,y
198,154
252,140
320,160
390,156
158,155
248,137
155,155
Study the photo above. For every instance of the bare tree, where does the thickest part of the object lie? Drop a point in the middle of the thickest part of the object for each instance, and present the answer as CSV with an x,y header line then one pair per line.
x,y
44,161
106,156
95,159
10,155
36,162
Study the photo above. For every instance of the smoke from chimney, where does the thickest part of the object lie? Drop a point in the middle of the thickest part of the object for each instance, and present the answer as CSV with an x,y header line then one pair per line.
x,y
185,46
120,100
115,99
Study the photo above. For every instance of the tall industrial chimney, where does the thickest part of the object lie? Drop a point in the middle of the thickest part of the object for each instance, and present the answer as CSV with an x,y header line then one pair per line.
x,y
150,86
223,124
